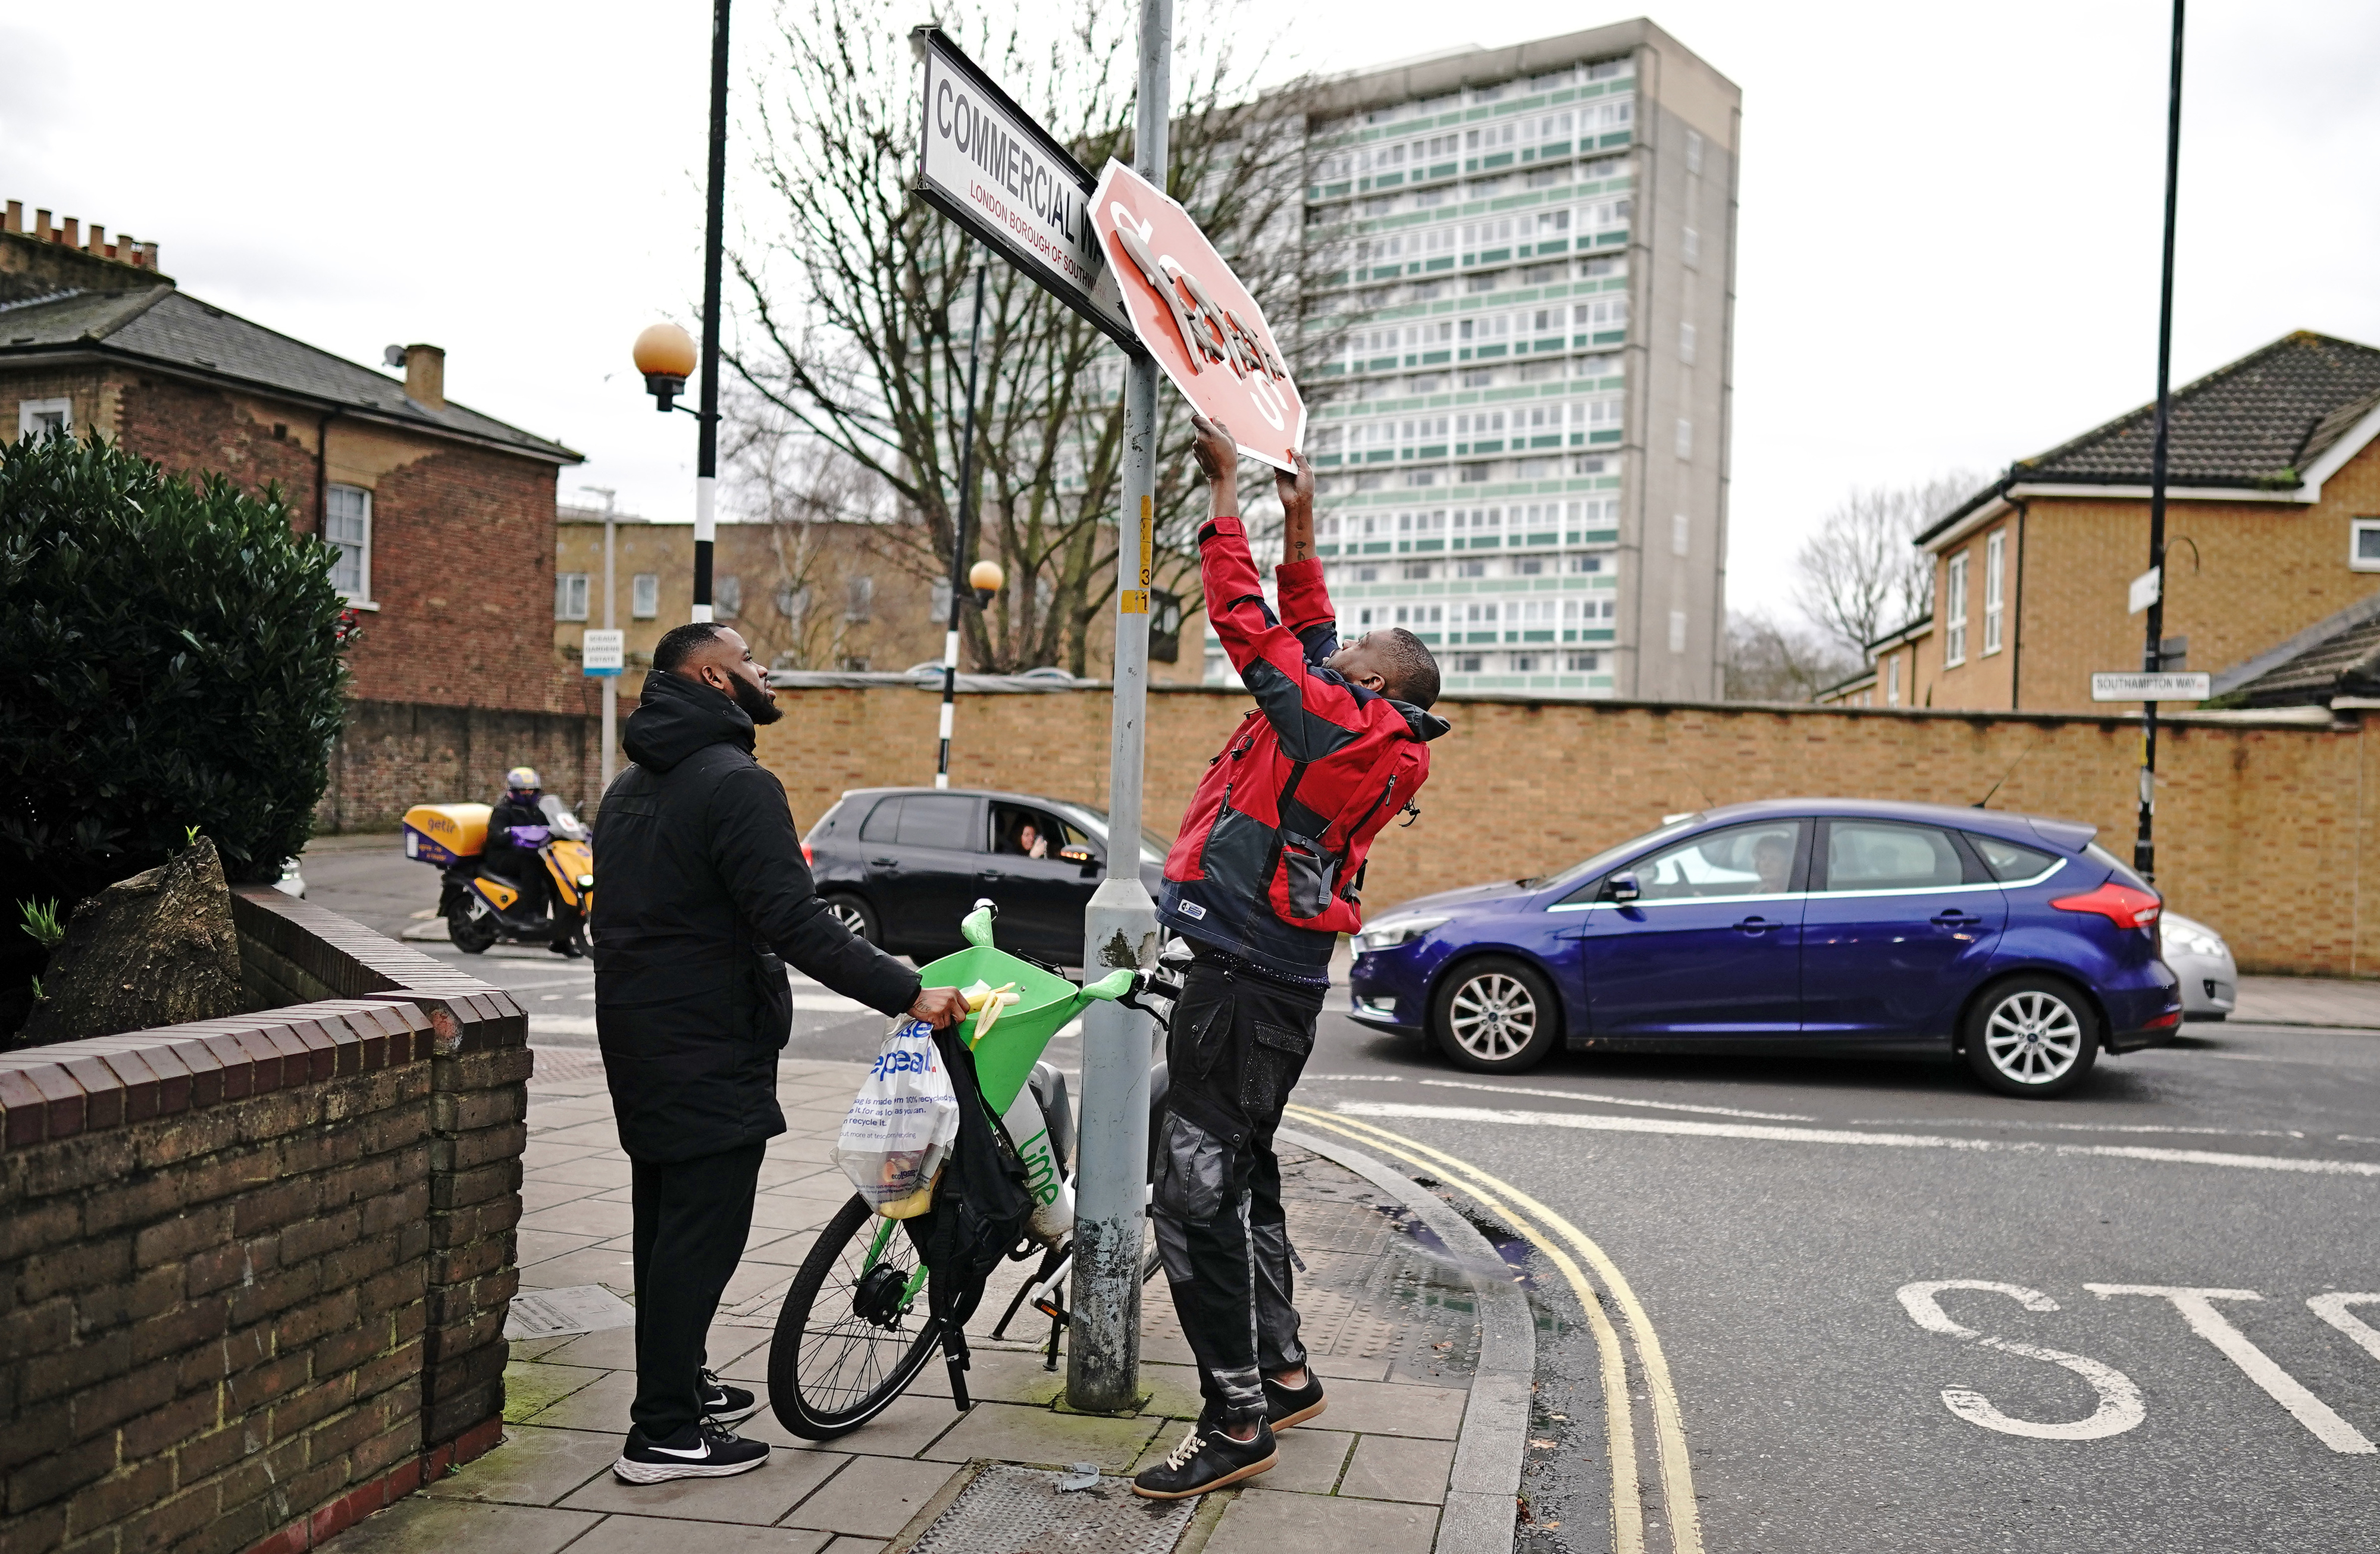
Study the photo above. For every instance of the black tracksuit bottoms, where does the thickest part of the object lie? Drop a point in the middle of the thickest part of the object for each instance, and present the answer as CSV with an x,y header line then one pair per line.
x,y
691,1220
1237,1046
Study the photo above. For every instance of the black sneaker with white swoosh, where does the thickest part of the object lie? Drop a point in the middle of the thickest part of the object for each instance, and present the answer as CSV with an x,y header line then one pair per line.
x,y
702,1450
729,1405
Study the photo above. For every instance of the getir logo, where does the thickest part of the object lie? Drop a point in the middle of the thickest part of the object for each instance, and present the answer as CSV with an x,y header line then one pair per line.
x,y
1195,319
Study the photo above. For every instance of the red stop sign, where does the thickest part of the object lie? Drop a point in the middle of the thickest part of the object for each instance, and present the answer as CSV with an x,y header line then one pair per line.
x,y
1195,317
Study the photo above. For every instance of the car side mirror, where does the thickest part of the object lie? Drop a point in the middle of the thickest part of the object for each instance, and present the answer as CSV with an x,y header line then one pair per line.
x,y
1623,887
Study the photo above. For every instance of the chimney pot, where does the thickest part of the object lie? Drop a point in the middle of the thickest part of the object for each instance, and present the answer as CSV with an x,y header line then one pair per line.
x,y
74,231
15,221
98,240
425,376
41,228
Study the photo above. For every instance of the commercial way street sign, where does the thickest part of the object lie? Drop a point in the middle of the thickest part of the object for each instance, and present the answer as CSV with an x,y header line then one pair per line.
x,y
984,163
2140,686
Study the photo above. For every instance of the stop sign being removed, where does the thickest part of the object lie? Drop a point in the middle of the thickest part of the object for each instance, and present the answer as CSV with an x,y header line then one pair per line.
x,y
1195,319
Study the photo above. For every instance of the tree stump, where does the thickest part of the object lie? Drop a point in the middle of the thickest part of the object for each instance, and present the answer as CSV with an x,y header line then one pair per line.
x,y
158,948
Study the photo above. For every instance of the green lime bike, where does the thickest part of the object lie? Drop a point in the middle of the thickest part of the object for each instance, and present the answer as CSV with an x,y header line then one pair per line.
x,y
856,1327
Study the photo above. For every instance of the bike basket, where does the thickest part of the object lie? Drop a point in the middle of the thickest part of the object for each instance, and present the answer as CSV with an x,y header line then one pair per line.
x,y
1008,1054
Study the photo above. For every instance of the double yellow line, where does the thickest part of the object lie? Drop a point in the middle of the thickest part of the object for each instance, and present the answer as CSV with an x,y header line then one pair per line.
x,y
1518,1209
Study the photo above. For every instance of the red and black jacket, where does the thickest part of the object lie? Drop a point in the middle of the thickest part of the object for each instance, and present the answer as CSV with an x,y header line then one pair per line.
x,y
1269,858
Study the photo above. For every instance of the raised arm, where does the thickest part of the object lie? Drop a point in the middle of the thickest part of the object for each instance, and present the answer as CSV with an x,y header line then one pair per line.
x,y
1311,709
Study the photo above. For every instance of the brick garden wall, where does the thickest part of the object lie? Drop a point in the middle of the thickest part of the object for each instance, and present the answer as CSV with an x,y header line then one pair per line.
x,y
2270,833
393,754
254,1271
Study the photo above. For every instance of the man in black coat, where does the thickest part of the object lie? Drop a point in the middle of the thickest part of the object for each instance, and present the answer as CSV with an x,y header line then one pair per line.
x,y
701,897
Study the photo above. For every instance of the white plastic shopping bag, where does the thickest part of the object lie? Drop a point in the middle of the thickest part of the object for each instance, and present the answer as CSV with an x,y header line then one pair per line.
x,y
901,1125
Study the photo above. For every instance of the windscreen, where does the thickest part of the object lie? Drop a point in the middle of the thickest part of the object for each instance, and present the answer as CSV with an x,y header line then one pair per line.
x,y
1609,856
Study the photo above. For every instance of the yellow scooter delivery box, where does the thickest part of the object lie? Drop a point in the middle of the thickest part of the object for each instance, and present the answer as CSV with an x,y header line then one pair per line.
x,y
446,834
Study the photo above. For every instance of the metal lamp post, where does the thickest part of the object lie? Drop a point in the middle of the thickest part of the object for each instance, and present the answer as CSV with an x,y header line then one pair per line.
x,y
985,578
665,355
2153,652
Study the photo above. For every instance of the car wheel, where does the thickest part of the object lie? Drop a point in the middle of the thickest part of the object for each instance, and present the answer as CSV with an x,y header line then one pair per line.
x,y
1495,1015
857,916
2032,1036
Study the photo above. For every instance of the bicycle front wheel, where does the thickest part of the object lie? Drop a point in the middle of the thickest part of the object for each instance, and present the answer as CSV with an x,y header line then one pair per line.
x,y
853,1332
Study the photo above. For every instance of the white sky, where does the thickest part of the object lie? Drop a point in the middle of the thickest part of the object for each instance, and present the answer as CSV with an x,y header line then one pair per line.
x,y
1948,254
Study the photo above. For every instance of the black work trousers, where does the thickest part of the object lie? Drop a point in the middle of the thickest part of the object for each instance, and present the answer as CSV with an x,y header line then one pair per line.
x,y
1237,1046
691,1220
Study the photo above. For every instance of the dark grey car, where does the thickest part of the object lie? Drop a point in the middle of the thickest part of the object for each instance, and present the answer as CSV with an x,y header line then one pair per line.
x,y
900,866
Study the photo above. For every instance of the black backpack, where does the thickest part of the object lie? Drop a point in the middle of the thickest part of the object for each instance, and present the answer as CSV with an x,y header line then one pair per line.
x,y
980,1212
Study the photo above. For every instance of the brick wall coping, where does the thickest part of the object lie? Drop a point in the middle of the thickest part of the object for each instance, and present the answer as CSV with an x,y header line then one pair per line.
x,y
399,1006
2249,717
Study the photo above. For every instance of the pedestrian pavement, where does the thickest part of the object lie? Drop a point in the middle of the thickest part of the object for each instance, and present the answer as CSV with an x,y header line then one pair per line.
x,y
1392,1296
2308,1001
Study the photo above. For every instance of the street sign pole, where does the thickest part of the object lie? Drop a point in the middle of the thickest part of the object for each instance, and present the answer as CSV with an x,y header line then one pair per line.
x,y
1120,928
2153,653
611,683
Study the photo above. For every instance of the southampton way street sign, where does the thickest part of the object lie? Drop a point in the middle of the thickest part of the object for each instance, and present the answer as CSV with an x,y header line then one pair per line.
x,y
2139,686
1195,318
985,164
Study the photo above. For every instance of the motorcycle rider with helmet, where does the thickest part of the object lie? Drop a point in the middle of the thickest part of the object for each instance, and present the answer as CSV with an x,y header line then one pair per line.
x,y
517,827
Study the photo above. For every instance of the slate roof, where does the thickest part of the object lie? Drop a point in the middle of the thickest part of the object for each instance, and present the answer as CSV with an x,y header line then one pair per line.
x,y
161,325
2254,425
2346,664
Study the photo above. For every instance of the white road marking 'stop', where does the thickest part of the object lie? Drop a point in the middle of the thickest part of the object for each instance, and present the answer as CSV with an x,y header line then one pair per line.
x,y
1679,1125
2197,1308
1624,1100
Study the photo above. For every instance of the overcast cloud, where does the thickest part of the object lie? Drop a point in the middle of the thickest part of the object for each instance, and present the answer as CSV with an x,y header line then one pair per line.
x,y
1948,254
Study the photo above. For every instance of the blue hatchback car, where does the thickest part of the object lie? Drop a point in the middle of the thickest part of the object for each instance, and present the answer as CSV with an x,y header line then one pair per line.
x,y
1831,926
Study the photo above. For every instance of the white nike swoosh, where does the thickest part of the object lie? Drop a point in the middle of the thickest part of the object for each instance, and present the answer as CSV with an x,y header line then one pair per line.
x,y
698,1453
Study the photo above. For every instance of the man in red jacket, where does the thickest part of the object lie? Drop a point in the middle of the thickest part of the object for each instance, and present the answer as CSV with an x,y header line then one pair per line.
x,y
1262,881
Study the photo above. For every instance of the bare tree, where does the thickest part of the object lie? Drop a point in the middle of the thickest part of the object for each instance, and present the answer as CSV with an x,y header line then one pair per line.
x,y
809,495
1859,576
856,298
1769,660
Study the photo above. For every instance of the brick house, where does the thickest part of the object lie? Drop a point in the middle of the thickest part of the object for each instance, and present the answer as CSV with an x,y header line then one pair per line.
x,y
2273,526
443,516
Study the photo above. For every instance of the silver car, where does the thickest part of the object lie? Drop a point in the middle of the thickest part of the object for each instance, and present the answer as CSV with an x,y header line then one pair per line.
x,y
2210,981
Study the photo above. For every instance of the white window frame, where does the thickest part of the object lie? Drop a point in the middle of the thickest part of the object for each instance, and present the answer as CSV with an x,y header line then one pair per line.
x,y
1892,680
1681,535
2356,560
1677,631
1995,558
361,593
573,593
1954,612
32,413
1690,247
644,596
1685,342
1685,439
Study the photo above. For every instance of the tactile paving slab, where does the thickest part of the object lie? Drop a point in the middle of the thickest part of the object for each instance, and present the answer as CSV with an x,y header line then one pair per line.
x,y
1009,1509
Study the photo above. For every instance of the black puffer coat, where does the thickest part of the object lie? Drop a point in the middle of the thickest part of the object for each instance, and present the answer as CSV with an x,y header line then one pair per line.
x,y
699,887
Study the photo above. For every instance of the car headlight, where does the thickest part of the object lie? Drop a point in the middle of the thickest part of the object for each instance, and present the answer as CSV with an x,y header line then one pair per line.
x,y
2194,941
1395,931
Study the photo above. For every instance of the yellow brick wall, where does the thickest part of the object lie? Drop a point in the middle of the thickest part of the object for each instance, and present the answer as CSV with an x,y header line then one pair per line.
x,y
2264,832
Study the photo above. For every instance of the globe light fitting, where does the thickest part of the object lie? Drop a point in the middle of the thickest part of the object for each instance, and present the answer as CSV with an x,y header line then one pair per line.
x,y
665,354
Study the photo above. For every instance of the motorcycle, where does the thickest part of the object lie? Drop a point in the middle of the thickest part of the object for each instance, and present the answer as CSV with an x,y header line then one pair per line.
x,y
483,908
